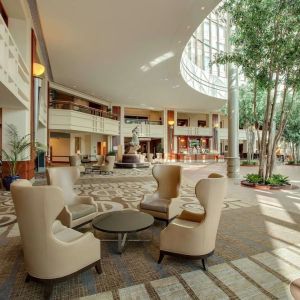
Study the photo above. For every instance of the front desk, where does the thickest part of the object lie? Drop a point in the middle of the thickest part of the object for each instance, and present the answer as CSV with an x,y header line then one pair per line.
x,y
198,157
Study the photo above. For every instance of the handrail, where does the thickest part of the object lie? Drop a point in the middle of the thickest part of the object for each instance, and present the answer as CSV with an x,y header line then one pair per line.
x,y
60,104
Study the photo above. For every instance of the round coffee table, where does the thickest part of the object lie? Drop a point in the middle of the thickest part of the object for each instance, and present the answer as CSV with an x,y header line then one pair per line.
x,y
122,222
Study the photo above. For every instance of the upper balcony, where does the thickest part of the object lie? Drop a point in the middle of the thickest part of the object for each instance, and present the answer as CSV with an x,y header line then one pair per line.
x,y
14,74
146,130
65,115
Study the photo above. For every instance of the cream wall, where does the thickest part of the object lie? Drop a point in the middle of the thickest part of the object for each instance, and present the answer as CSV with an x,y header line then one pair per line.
x,y
60,147
88,143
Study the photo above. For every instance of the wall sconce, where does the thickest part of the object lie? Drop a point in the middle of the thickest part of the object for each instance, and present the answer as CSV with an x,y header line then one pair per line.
x,y
171,122
37,70
216,125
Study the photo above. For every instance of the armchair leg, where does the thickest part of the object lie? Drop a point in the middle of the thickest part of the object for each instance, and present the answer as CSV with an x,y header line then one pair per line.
x,y
98,267
161,256
204,260
28,278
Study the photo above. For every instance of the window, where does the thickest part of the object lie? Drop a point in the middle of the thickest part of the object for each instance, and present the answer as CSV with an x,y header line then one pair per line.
x,y
208,40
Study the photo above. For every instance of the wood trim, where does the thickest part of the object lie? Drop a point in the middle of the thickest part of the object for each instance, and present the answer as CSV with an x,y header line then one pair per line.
x,y
3,13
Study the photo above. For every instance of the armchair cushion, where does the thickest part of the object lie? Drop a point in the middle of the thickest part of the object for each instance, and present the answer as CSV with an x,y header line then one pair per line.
x,y
152,203
68,235
81,210
191,216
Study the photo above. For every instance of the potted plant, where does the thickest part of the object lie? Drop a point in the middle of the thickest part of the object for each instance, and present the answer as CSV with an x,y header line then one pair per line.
x,y
159,151
111,153
17,148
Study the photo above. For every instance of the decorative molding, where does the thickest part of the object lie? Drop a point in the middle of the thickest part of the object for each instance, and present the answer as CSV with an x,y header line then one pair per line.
x,y
39,34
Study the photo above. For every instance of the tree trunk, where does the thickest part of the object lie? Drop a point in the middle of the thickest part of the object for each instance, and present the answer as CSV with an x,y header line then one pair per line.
x,y
271,131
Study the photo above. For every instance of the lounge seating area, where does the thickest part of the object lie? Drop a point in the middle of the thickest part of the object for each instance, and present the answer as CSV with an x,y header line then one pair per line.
x,y
48,215
204,234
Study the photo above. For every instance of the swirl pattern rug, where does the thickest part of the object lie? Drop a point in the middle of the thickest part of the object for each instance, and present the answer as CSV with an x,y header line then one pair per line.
x,y
257,250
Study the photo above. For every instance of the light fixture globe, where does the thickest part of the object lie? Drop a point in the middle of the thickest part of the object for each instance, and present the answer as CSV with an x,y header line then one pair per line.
x,y
38,69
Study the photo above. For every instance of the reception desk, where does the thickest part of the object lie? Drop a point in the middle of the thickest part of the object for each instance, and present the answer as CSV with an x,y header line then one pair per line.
x,y
199,157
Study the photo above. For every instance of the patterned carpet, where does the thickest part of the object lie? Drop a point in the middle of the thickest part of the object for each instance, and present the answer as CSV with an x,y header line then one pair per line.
x,y
257,251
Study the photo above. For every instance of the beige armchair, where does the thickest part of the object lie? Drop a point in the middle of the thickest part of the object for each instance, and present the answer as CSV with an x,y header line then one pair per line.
x,y
108,167
52,252
75,161
100,161
164,204
78,210
196,238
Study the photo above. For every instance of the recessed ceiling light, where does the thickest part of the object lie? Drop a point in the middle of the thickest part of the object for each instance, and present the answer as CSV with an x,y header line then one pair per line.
x,y
179,42
188,27
202,7
176,86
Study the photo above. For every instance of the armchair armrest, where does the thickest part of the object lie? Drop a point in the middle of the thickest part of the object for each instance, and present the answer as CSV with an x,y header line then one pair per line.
x,y
86,200
65,216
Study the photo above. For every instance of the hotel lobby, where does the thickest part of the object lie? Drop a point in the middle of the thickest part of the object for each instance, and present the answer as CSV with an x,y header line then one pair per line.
x,y
141,155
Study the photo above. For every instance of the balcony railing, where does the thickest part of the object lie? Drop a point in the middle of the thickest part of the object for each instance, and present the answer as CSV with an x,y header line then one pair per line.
x,y
141,121
59,104
202,81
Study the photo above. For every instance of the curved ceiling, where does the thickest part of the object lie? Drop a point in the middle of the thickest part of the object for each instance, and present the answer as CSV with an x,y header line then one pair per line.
x,y
127,52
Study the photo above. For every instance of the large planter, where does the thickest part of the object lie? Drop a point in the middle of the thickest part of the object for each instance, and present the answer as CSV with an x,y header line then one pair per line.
x,y
8,180
259,186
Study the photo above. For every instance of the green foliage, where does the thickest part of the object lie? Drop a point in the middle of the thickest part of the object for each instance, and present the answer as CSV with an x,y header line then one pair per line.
x,y
248,163
159,148
246,112
19,148
265,46
254,178
291,162
111,153
292,129
277,179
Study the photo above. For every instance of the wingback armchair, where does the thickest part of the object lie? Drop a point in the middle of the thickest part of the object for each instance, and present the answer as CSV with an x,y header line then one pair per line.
x,y
75,161
108,167
52,252
78,210
194,235
164,203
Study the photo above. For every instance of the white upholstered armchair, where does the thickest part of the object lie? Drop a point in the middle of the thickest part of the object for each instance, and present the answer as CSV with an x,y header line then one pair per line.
x,y
52,252
164,203
194,235
78,210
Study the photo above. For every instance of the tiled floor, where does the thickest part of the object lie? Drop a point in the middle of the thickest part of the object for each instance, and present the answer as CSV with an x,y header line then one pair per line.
x,y
257,251
262,276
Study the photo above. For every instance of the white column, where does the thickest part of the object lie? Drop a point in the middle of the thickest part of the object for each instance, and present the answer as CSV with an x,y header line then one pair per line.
x,y
175,137
165,139
233,162
109,143
122,122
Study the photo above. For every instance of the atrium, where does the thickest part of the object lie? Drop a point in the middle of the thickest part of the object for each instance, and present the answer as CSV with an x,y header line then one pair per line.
x,y
149,149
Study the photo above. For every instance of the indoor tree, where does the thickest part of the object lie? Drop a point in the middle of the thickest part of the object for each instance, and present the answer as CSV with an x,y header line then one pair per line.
x,y
291,132
266,47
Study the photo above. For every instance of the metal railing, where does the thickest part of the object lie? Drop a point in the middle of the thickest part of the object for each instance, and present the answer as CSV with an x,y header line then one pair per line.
x,y
59,104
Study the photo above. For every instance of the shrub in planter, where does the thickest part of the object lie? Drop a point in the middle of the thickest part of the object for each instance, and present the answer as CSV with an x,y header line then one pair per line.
x,y
248,163
111,153
277,179
254,178
291,162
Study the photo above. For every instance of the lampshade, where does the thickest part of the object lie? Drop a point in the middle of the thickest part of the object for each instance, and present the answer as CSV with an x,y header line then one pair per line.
x,y
38,69
171,122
